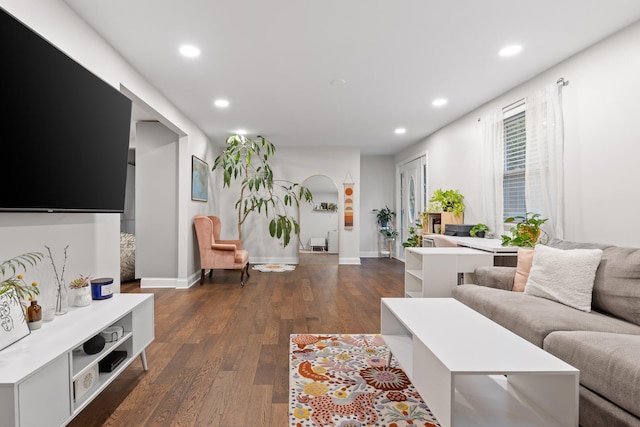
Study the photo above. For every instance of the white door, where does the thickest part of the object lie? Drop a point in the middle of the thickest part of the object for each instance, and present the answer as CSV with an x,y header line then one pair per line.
x,y
412,195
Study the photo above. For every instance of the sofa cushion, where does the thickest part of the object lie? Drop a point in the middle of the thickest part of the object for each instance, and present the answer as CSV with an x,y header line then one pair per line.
x,y
525,260
617,285
596,411
534,318
495,277
568,244
565,276
608,363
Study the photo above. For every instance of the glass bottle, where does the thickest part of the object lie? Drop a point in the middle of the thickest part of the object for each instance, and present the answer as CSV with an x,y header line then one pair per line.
x,y
34,315
62,300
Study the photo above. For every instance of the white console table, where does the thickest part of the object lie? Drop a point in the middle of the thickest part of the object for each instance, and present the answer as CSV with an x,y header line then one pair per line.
x,y
37,373
433,272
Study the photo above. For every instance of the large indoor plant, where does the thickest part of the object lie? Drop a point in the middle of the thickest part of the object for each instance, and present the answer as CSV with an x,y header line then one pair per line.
x,y
527,231
247,160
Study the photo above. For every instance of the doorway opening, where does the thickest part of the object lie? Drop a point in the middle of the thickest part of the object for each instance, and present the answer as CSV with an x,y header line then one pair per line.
x,y
318,239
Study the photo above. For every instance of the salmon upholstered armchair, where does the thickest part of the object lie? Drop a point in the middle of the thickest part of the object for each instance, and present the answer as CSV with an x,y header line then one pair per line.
x,y
216,253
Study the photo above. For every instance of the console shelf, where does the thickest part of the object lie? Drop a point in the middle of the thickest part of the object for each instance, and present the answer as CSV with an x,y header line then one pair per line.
x,y
37,373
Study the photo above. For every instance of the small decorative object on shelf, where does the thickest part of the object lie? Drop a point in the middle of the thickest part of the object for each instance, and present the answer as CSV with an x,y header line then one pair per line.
x,y
34,315
102,288
94,345
62,294
81,291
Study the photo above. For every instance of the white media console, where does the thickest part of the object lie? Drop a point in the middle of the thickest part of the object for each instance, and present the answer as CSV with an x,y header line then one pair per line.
x,y
37,373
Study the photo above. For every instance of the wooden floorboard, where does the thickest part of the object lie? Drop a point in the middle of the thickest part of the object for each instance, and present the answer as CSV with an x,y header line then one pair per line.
x,y
220,354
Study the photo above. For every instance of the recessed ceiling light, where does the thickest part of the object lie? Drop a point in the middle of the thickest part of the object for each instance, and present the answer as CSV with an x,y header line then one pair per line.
x,y
400,131
338,82
510,50
221,103
439,102
190,51
240,132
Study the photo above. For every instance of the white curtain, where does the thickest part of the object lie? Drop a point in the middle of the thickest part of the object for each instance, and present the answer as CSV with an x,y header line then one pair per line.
x,y
544,178
493,170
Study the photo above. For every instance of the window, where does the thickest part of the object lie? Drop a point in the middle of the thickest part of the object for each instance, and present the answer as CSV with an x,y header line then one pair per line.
x,y
514,162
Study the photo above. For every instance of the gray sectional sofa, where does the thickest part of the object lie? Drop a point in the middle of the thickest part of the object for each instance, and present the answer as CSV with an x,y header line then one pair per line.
x,y
603,344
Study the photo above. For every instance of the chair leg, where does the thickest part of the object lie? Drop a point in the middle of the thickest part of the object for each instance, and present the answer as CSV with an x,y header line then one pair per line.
x,y
247,268
202,277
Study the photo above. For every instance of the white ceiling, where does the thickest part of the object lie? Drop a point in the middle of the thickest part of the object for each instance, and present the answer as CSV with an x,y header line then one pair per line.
x,y
275,60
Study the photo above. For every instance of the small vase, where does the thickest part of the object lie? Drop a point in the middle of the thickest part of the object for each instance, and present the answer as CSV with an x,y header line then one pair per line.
x,y
81,296
34,315
62,300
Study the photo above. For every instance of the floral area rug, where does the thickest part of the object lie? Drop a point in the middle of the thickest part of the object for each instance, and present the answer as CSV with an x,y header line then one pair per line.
x,y
344,381
274,268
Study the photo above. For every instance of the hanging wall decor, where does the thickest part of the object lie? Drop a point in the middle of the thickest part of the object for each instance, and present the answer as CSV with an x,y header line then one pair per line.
x,y
348,202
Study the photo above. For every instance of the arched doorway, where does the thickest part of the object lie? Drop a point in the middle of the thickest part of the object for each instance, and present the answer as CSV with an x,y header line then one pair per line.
x,y
319,223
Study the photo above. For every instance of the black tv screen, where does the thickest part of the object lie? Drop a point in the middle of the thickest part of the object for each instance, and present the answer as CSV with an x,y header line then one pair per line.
x,y
64,133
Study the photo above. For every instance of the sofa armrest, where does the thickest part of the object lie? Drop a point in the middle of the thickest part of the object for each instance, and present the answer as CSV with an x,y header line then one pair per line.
x,y
495,277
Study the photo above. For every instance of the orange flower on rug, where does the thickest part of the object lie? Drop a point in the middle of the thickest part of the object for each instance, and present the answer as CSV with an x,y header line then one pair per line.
x,y
344,381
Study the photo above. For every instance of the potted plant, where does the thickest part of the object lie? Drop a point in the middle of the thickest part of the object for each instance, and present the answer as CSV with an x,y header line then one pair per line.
x,y
478,230
527,231
247,160
14,288
80,288
385,216
450,204
414,239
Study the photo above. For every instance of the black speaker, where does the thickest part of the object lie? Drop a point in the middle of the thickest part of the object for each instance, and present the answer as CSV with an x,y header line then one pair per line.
x,y
94,345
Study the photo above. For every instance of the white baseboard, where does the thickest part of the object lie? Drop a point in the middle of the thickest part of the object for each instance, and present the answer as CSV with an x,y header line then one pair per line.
x,y
374,254
350,261
158,282
273,260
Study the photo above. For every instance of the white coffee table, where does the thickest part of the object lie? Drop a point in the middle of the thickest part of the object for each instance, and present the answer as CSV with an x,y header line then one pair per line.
x,y
473,372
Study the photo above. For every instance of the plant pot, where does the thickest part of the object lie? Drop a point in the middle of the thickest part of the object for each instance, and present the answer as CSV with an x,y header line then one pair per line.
x,y
480,234
81,296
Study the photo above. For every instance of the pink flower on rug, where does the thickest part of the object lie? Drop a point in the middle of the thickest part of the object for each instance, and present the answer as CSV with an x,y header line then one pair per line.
x,y
385,378
376,362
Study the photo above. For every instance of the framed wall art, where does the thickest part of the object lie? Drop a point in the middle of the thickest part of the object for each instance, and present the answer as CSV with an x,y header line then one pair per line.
x,y
13,325
199,179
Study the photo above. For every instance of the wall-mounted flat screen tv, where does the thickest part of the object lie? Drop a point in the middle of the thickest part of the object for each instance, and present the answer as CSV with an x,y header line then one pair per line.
x,y
64,133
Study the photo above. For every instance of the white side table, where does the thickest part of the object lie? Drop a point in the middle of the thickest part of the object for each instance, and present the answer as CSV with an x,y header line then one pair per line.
x,y
433,272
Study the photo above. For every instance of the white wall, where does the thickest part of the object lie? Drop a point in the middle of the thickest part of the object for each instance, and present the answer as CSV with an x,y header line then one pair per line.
x,y
156,205
94,238
296,165
601,142
378,174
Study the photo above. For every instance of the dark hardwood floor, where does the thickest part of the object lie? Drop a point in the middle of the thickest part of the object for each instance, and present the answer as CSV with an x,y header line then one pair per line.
x,y
220,354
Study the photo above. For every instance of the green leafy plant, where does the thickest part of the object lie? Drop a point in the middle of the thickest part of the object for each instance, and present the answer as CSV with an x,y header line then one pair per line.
x,y
447,201
80,282
388,233
15,288
385,216
527,231
247,160
478,230
414,239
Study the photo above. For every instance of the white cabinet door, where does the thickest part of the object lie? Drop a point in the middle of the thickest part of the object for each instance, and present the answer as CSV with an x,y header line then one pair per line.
x,y
45,398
